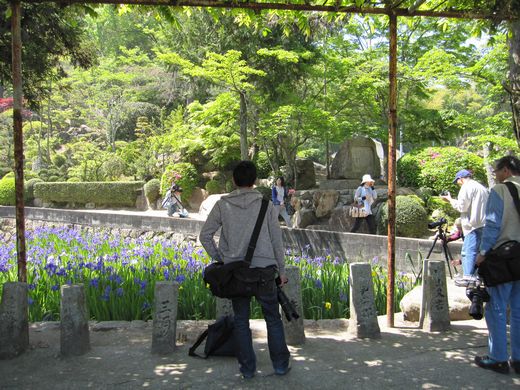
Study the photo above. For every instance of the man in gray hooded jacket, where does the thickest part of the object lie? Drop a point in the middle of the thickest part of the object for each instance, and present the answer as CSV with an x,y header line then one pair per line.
x,y
235,214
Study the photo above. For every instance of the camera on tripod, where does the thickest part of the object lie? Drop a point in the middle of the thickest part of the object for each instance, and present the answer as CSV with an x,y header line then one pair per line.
x,y
477,294
440,222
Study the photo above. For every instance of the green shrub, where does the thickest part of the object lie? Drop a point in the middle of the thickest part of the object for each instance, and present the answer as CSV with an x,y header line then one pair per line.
x,y
100,193
263,168
437,208
213,187
9,175
435,168
152,191
29,188
410,215
7,192
229,186
183,174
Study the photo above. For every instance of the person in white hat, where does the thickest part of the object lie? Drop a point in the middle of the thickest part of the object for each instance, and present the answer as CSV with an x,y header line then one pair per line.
x,y
364,197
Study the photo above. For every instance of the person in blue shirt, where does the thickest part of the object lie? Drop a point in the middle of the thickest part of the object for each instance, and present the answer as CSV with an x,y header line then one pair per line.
x,y
502,224
280,196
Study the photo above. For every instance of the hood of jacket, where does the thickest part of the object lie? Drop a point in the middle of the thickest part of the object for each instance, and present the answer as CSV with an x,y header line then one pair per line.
x,y
242,197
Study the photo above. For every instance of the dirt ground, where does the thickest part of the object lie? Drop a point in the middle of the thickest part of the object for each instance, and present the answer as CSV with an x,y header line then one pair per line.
x,y
120,358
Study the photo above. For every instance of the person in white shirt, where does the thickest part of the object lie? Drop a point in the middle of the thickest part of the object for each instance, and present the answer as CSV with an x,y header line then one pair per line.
x,y
471,203
364,197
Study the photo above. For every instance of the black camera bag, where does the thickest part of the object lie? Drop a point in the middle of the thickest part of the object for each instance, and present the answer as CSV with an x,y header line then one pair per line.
x,y
237,279
220,340
502,264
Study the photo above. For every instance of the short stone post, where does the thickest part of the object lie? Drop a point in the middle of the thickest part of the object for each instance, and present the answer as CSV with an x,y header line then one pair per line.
x,y
437,314
224,307
363,314
74,332
165,317
294,330
14,320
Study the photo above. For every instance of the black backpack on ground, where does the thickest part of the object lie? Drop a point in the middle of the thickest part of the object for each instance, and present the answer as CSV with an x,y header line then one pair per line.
x,y
220,340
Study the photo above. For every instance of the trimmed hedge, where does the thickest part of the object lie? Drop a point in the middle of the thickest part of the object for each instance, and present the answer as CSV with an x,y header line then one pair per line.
x,y
7,192
99,193
411,217
29,188
435,168
152,191
213,187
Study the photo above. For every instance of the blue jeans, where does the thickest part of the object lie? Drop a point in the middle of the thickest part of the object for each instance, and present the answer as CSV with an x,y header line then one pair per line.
x,y
283,212
496,312
278,350
469,252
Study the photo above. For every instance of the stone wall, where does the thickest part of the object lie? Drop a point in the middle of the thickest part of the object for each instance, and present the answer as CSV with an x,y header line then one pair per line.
x,y
354,247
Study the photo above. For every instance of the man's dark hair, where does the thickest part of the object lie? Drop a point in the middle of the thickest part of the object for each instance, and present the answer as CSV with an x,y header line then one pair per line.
x,y
509,162
244,174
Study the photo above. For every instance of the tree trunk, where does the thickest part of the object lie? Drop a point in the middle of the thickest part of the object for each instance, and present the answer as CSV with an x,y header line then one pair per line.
x,y
514,76
488,146
243,127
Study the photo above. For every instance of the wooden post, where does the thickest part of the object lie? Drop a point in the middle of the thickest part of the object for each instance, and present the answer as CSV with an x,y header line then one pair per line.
x,y
16,17
392,133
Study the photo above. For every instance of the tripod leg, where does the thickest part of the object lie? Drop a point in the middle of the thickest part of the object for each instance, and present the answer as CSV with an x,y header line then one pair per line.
x,y
428,255
447,255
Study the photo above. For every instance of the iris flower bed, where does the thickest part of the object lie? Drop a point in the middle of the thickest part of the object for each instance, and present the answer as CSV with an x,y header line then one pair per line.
x,y
119,275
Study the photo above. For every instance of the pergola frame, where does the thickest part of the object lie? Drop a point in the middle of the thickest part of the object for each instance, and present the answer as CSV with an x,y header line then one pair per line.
x,y
389,11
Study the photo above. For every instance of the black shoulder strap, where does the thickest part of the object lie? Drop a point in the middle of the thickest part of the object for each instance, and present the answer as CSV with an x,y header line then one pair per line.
x,y
256,231
199,341
514,194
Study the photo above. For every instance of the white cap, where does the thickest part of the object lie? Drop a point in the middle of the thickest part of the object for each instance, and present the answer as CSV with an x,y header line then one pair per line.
x,y
367,178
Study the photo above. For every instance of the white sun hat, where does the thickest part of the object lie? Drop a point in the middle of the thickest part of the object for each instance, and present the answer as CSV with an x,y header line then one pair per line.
x,y
367,178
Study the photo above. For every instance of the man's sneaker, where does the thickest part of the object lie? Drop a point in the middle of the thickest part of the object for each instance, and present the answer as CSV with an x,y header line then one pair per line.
x,y
491,364
282,371
465,281
515,366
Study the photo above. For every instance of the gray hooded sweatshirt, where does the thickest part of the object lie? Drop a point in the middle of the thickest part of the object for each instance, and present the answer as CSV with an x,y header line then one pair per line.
x,y
236,214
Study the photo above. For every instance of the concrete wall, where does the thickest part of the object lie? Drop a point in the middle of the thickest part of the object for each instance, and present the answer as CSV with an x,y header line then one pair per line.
x,y
354,247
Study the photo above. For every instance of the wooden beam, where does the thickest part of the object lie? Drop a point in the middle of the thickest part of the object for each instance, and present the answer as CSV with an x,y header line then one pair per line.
x,y
392,135
252,5
18,137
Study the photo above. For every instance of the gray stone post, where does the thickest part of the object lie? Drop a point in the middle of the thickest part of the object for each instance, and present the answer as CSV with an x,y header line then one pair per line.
x,y
74,332
294,330
363,314
437,314
224,307
165,317
14,320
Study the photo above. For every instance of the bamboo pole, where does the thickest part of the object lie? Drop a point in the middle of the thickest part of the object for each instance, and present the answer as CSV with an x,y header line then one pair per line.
x,y
16,17
392,133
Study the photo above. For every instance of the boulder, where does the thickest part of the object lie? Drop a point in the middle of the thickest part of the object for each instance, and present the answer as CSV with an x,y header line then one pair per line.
x,y
197,197
303,218
208,204
324,202
356,157
458,303
306,177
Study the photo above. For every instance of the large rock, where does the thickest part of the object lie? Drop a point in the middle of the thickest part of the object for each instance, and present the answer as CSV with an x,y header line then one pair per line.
x,y
356,157
303,218
324,202
457,301
306,177
197,197
208,204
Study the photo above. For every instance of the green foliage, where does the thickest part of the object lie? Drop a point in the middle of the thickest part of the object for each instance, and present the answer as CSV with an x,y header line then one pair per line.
x,y
229,186
183,174
213,187
7,192
411,217
313,154
265,191
263,168
100,193
438,208
29,188
435,168
152,191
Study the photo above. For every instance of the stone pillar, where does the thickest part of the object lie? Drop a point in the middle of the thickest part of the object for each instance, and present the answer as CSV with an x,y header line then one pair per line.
x,y
14,320
224,307
294,331
437,313
165,317
363,314
74,332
